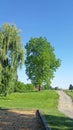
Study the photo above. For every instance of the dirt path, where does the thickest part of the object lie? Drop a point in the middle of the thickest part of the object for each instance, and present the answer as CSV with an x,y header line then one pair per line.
x,y
18,120
65,104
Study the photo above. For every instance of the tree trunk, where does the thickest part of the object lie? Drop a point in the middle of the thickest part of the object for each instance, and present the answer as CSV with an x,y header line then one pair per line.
x,y
39,88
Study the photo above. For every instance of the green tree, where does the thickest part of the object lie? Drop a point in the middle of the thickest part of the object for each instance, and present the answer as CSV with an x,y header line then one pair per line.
x,y
41,62
11,57
71,87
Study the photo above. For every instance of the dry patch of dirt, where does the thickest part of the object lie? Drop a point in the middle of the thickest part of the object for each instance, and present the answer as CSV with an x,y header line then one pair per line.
x,y
18,120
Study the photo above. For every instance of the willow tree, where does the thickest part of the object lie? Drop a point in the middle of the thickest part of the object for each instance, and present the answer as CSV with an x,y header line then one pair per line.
x,y
11,57
41,61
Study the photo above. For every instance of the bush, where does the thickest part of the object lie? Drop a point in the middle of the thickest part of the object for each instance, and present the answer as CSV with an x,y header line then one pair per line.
x,y
56,88
21,87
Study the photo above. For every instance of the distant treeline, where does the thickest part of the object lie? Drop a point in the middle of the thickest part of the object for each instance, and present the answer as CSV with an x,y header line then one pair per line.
x,y
22,87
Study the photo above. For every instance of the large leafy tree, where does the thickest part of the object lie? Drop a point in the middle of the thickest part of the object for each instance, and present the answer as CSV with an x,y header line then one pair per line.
x,y
11,57
41,61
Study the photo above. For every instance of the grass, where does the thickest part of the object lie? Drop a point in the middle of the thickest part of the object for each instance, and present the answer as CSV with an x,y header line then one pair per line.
x,y
69,92
45,101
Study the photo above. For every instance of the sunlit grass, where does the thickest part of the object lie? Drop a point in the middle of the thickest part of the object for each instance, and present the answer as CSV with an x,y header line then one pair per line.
x,y
69,92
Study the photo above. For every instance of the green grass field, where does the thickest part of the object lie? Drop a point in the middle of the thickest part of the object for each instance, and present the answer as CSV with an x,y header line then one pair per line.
x,y
45,101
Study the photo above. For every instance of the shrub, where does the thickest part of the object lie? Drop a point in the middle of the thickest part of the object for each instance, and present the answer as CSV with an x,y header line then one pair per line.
x,y
21,87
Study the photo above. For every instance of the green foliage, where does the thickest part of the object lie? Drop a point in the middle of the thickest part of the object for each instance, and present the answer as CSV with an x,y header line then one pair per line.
x,y
70,87
11,57
21,87
56,88
47,87
41,62
70,93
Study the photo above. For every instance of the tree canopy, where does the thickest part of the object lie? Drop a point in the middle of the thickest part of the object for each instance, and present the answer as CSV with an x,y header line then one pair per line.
x,y
11,57
41,61
70,87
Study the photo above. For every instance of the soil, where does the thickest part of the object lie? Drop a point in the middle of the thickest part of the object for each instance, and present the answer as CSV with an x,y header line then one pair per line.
x,y
65,104
18,120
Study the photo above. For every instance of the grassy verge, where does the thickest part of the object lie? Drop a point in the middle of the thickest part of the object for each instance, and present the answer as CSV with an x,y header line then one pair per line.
x,y
69,92
45,101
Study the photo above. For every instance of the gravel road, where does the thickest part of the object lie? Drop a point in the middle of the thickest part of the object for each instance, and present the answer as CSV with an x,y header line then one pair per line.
x,y
65,104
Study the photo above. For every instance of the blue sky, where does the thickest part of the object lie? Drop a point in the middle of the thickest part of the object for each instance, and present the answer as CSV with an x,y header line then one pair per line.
x,y
50,18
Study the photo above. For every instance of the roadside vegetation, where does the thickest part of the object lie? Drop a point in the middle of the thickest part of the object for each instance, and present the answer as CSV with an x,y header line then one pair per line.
x,y
69,92
46,101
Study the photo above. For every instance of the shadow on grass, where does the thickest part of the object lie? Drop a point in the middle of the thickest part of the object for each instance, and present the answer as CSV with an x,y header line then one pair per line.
x,y
59,123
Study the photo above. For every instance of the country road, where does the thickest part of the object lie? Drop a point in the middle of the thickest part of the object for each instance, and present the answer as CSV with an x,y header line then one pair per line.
x,y
65,104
